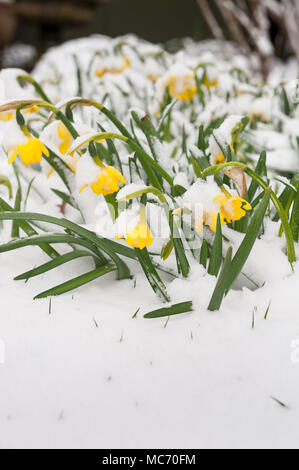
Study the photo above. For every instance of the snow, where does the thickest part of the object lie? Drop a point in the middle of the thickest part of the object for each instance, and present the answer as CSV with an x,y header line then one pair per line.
x,y
133,383
129,189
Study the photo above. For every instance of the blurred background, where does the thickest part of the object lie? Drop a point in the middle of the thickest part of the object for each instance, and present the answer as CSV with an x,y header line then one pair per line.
x,y
264,30
29,27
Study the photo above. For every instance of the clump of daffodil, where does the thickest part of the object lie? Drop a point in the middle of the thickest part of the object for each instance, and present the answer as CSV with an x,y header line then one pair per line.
x,y
113,65
223,136
20,142
180,81
101,179
132,225
213,201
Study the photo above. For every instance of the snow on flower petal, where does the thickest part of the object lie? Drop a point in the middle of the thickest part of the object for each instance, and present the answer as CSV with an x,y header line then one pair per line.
x,y
180,81
100,178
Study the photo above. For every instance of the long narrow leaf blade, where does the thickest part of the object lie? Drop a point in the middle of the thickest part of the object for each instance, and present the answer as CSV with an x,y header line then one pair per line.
x,y
175,309
65,197
295,218
153,277
54,263
216,254
15,229
282,214
26,227
249,239
219,290
76,282
108,246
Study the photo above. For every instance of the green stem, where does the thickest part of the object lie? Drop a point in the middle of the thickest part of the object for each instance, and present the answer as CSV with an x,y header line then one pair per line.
x,y
284,220
38,88
56,111
217,168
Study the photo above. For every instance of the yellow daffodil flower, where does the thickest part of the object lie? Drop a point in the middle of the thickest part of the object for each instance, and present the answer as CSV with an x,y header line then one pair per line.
x,y
232,207
65,137
30,152
108,181
140,236
6,116
213,201
114,69
102,180
210,83
228,207
32,109
224,135
182,88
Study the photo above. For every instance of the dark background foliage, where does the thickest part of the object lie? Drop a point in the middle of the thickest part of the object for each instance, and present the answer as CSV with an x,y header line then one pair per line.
x,y
43,23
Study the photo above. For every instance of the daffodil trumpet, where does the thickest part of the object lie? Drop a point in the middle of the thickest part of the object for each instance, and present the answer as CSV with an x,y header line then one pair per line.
x,y
101,179
140,236
30,152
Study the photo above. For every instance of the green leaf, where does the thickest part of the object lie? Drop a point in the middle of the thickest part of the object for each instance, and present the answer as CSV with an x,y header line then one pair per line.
x,y
203,259
167,249
79,78
54,263
216,254
181,258
147,190
261,170
282,214
145,158
108,246
219,290
249,239
196,167
77,281
48,238
112,149
286,107
61,169
15,230
26,227
178,190
224,147
5,182
295,218
28,191
153,277
148,129
165,115
175,309
66,198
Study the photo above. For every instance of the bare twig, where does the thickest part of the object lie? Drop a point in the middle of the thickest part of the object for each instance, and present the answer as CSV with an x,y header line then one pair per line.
x,y
250,22
233,26
214,26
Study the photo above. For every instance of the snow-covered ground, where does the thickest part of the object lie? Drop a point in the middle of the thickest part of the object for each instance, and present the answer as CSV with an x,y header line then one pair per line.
x,y
90,375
